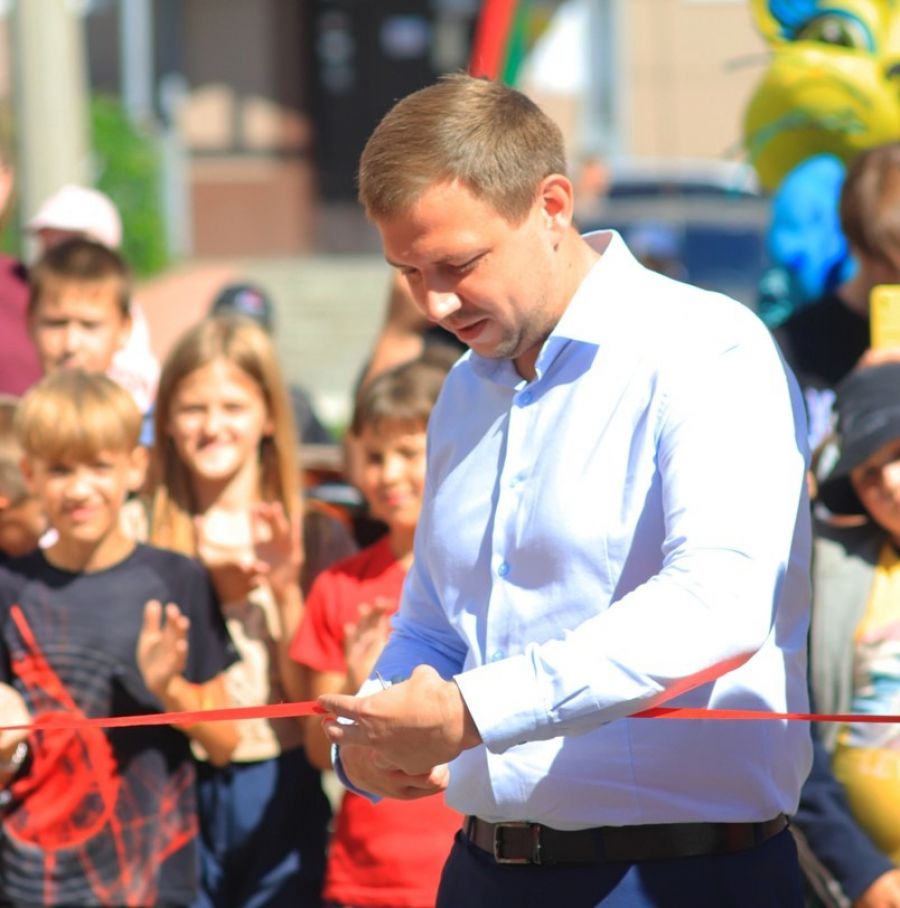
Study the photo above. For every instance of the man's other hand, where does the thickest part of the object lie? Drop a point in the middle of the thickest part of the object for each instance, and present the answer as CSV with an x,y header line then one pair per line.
x,y
414,725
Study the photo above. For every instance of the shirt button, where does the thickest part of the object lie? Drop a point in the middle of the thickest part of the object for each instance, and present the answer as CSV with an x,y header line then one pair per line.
x,y
527,397
503,570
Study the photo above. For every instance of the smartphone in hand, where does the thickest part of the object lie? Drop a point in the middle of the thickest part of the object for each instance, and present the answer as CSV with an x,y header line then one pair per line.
x,y
884,316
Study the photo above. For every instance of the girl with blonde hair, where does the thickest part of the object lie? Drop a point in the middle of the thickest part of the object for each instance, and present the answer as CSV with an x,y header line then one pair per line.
x,y
226,489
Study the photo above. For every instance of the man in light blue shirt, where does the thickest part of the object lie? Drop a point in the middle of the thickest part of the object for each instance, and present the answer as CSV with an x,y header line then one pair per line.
x,y
615,518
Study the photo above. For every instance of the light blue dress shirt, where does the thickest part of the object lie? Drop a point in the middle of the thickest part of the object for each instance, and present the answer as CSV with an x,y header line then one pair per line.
x,y
629,528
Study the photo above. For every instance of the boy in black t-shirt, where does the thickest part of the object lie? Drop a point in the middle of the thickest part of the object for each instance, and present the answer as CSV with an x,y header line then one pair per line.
x,y
100,817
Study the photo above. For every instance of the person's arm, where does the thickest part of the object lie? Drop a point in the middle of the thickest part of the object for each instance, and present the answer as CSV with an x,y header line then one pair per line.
x,y
279,548
162,653
731,455
883,892
422,636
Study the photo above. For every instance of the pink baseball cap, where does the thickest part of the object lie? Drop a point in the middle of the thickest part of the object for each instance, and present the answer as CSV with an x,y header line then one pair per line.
x,y
80,209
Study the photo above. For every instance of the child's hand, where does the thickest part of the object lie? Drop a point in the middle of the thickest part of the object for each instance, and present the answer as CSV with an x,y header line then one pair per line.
x,y
162,648
278,542
365,639
233,570
233,580
13,711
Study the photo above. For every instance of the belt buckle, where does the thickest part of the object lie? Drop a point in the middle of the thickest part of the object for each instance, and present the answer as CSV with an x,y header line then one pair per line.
x,y
535,828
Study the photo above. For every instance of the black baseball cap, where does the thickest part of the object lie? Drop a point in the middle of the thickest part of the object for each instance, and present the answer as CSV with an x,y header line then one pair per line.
x,y
244,299
867,404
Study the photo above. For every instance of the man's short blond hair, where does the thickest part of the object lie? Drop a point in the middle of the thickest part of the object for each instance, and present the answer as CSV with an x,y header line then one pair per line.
x,y
73,416
489,137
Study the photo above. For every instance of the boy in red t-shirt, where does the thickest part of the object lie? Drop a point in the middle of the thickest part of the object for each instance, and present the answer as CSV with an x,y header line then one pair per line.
x,y
388,854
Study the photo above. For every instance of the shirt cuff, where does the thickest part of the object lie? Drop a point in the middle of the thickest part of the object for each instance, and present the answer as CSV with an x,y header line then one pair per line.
x,y
511,718
342,776
369,687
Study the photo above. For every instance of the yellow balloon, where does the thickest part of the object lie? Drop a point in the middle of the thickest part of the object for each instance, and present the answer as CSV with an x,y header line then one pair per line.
x,y
829,87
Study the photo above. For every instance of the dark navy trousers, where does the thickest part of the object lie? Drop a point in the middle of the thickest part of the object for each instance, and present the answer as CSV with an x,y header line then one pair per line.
x,y
263,829
767,876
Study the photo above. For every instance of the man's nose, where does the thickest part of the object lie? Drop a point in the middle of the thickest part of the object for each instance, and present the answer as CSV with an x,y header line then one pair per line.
x,y
440,303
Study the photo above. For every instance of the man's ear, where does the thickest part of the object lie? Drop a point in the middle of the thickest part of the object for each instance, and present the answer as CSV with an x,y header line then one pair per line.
x,y
557,200
137,468
4,502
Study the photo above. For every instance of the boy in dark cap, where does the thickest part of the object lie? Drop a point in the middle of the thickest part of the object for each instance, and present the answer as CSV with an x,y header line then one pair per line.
x,y
247,300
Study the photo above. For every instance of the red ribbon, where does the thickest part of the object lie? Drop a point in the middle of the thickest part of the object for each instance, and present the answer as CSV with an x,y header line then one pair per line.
x,y
225,714
312,708
686,712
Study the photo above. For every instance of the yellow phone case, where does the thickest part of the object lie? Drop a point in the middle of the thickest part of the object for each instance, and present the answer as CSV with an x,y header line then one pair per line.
x,y
884,315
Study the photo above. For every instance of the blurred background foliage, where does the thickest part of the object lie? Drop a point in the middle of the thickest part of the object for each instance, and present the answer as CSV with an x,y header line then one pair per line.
x,y
127,168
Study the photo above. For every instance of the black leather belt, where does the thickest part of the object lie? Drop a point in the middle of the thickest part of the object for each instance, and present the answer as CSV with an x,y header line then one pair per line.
x,y
532,843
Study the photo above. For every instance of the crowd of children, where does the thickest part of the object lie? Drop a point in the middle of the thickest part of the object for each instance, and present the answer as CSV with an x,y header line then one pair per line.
x,y
157,553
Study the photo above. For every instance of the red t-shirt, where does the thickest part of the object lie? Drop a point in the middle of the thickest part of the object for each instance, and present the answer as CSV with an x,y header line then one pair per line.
x,y
20,367
390,853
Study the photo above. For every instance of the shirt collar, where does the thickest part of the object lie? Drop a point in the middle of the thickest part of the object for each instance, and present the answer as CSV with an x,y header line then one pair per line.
x,y
599,294
587,313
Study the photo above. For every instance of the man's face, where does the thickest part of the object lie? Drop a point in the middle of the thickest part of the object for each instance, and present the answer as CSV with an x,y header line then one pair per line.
x,y
78,325
489,282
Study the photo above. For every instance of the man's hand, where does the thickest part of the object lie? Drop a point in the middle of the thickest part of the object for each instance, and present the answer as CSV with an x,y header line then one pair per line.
x,y
413,726
162,649
883,893
367,771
